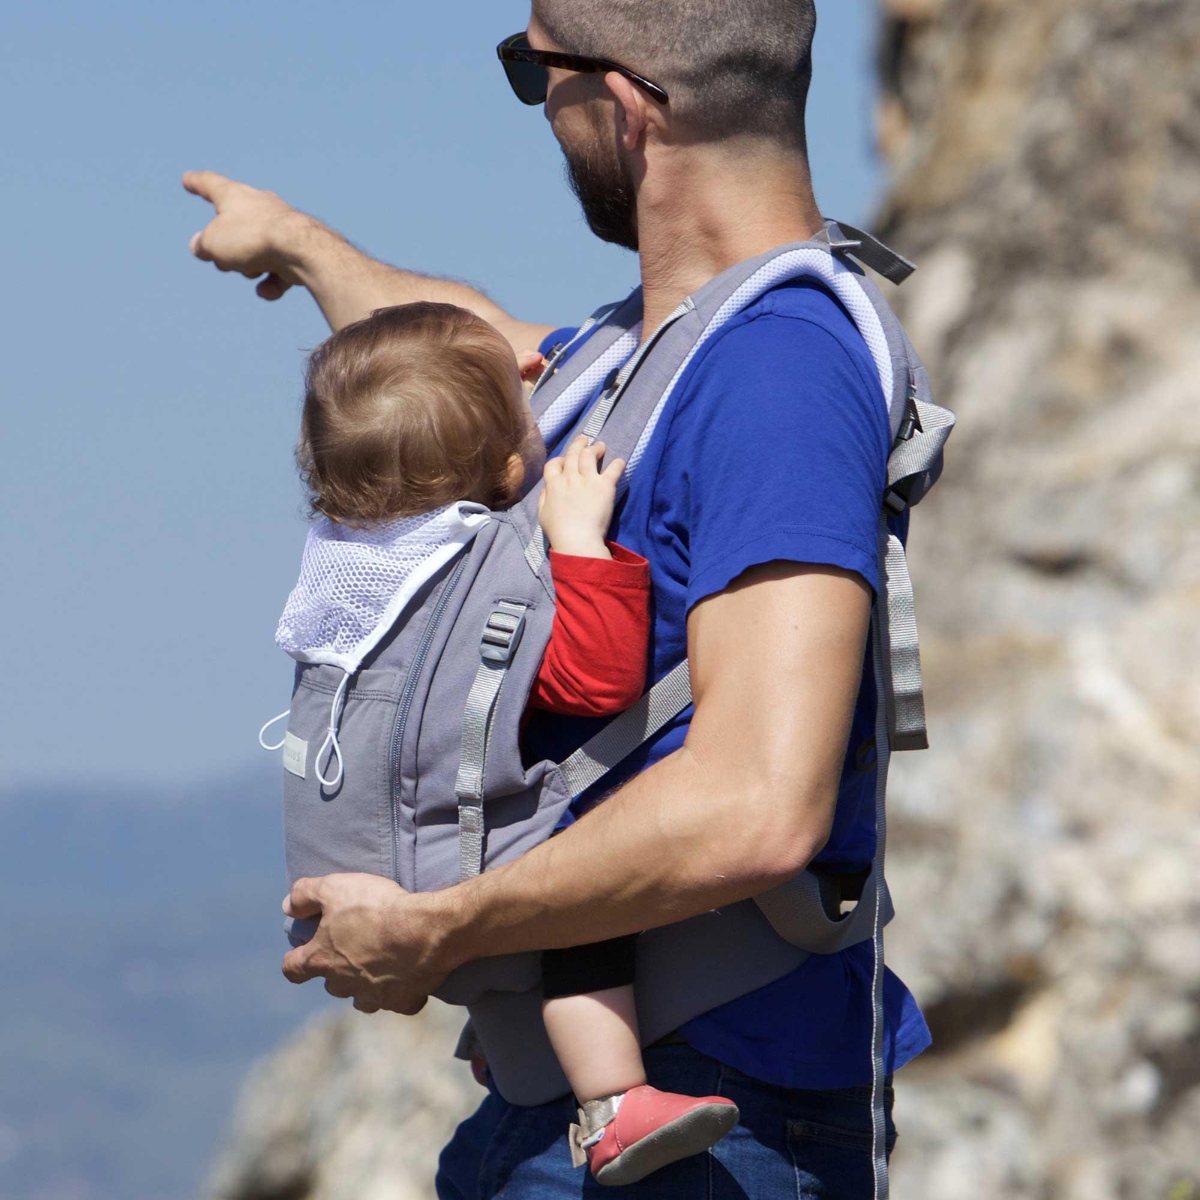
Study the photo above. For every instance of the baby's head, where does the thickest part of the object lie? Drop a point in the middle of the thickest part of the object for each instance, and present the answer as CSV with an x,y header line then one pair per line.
x,y
413,408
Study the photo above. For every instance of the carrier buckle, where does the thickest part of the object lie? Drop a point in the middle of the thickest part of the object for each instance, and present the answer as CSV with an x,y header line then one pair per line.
x,y
502,633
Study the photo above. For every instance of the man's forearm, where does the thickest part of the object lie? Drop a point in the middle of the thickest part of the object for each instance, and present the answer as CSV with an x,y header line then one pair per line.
x,y
745,804
258,234
348,284
676,841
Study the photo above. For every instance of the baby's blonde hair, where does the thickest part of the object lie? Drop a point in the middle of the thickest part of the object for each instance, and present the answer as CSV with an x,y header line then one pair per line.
x,y
412,408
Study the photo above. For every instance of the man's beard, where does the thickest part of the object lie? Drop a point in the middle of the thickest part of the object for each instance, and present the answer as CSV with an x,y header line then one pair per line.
x,y
604,187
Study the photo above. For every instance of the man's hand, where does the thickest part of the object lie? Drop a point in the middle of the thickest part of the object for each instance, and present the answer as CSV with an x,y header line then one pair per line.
x,y
250,232
259,234
376,943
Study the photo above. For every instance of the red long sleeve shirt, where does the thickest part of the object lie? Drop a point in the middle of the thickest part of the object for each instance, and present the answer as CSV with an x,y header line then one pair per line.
x,y
595,661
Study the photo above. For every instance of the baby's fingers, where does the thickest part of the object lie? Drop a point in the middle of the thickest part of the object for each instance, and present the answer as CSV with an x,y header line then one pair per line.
x,y
613,472
590,458
573,451
553,468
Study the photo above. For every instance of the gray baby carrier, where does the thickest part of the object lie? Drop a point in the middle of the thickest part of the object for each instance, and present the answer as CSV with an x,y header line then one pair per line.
x,y
435,790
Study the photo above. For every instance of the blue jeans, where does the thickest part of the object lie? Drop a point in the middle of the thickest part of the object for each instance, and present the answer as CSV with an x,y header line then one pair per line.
x,y
799,1145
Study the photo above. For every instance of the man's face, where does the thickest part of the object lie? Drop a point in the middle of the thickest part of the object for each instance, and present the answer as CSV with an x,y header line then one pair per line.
x,y
582,114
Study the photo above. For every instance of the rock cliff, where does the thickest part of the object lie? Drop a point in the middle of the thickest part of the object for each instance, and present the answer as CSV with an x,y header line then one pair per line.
x,y
1046,853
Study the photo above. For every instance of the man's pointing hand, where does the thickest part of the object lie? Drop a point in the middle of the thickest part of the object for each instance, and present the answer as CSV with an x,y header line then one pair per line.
x,y
250,233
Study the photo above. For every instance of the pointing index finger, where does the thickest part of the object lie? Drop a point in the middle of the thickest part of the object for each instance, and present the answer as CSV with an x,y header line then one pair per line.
x,y
206,184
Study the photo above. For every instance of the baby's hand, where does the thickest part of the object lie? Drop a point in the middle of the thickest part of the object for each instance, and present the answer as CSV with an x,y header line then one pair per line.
x,y
576,505
530,365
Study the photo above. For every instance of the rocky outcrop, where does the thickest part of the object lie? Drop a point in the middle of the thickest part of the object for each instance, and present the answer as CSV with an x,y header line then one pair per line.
x,y
1046,853
352,1108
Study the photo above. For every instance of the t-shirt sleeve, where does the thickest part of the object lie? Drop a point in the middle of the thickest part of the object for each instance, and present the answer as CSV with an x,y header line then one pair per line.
x,y
781,446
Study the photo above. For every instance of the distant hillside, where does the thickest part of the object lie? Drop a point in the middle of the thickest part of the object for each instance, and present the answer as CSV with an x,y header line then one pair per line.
x,y
141,946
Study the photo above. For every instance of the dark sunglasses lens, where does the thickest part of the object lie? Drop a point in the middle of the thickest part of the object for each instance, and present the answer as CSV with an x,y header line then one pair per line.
x,y
529,81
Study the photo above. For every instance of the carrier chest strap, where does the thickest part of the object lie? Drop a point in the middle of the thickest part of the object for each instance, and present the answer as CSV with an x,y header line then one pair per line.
x,y
624,734
597,418
501,636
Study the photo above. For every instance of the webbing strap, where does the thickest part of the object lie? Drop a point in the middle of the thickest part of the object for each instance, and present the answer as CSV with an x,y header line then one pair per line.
x,y
501,635
624,734
882,658
535,552
916,455
906,709
871,252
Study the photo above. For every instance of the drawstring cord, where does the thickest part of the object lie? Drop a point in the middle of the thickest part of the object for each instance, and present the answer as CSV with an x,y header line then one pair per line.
x,y
331,738
262,733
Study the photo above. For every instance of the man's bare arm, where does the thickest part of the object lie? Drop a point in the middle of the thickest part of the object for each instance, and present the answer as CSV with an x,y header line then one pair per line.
x,y
258,234
745,804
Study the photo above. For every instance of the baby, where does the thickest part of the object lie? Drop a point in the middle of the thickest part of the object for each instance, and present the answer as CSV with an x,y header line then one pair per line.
x,y
425,405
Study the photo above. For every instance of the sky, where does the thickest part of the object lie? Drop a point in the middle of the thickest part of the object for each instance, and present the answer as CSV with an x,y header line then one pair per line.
x,y
149,405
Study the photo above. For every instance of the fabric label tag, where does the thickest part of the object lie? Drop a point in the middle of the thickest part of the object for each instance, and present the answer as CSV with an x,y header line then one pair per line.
x,y
295,754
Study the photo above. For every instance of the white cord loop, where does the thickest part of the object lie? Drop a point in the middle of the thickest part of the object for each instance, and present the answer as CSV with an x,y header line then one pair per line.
x,y
262,733
331,738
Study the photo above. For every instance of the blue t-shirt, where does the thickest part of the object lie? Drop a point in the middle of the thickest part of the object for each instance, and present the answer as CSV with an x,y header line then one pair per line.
x,y
773,447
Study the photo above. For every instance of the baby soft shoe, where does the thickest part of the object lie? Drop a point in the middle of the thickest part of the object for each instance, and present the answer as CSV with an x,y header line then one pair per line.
x,y
624,1138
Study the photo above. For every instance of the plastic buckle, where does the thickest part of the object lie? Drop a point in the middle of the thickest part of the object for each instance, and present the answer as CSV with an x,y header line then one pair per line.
x,y
502,633
911,423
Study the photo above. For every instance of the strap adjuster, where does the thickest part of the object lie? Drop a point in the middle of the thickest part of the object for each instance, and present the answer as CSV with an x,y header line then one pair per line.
x,y
502,633
894,502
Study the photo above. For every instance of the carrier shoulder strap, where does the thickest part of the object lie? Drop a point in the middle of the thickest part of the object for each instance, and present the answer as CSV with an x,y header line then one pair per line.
x,y
913,468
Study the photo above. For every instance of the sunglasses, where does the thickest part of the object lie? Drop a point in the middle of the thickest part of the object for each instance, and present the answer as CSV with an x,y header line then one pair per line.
x,y
529,76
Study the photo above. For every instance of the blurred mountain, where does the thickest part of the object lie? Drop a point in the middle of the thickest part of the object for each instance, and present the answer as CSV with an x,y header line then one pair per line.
x,y
1045,854
140,943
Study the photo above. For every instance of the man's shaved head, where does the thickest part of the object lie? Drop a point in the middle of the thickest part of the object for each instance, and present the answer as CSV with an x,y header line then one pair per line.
x,y
730,66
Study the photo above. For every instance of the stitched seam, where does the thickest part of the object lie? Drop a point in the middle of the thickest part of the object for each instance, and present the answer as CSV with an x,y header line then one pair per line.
x,y
831,1135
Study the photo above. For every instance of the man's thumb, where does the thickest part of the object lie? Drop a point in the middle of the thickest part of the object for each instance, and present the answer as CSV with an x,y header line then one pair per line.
x,y
302,900
272,287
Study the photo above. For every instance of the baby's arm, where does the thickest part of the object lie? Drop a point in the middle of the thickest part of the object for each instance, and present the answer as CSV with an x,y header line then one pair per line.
x,y
595,662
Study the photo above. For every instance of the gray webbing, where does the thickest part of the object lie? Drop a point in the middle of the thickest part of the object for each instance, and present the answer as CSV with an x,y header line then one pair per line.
x,y
871,252
624,734
535,552
501,635
917,453
598,317
882,658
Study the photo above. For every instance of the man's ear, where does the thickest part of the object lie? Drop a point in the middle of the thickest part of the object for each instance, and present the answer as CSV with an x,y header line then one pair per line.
x,y
632,109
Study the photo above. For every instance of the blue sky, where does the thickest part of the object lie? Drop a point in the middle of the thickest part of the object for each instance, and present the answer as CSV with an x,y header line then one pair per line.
x,y
149,404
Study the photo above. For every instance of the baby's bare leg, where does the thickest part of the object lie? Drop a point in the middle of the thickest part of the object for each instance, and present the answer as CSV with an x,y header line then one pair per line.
x,y
596,1040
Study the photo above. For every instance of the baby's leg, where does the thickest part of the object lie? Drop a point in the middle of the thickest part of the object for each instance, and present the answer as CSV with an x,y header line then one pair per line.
x,y
595,1037
591,1018
626,1130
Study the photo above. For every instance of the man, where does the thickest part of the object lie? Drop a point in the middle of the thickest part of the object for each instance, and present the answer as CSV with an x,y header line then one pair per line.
x,y
759,519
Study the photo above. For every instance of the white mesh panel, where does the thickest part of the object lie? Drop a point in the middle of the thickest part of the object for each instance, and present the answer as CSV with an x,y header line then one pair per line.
x,y
354,583
822,266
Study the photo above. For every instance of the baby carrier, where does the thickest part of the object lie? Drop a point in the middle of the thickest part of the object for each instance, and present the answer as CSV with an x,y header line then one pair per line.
x,y
434,789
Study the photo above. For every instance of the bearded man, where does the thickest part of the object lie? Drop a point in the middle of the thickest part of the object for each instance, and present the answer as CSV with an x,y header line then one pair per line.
x,y
682,124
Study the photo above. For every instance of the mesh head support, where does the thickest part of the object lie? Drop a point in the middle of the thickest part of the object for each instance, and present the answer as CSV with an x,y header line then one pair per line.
x,y
354,583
